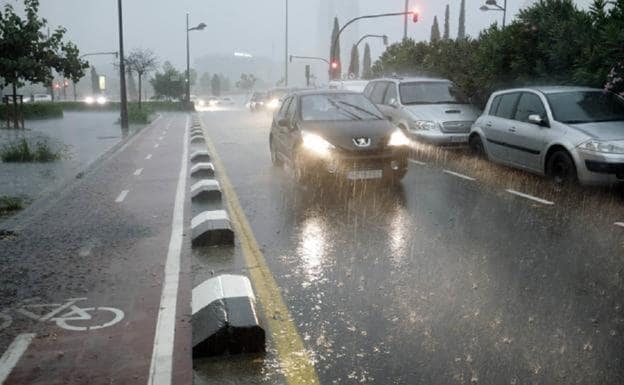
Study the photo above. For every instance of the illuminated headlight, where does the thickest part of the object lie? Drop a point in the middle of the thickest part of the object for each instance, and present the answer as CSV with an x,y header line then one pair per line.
x,y
423,125
603,147
101,100
316,144
89,100
200,103
398,138
213,103
273,104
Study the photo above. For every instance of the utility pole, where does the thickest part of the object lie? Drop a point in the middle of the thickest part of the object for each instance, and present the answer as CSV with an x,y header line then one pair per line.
x,y
122,74
405,20
188,64
286,49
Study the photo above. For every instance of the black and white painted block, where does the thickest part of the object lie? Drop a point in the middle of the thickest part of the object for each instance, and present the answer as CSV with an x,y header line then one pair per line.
x,y
207,189
200,156
203,170
224,317
210,228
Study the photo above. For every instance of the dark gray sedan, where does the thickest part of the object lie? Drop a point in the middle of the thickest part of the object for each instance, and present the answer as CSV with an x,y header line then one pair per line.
x,y
337,133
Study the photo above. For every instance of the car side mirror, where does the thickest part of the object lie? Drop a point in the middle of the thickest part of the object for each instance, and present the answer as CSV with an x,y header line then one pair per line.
x,y
283,122
538,120
394,103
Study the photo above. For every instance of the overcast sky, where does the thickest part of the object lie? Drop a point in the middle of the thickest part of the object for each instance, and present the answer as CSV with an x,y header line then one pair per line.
x,y
254,26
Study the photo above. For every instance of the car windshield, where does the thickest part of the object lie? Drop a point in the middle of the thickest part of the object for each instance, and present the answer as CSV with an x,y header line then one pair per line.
x,y
586,107
431,93
338,106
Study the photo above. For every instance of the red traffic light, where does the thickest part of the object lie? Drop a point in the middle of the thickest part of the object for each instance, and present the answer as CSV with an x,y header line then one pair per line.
x,y
415,16
334,65
57,86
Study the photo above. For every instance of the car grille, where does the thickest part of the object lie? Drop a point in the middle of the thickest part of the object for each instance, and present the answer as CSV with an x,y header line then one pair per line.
x,y
462,127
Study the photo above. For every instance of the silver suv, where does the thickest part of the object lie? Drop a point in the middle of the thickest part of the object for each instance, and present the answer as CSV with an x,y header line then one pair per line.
x,y
428,110
567,133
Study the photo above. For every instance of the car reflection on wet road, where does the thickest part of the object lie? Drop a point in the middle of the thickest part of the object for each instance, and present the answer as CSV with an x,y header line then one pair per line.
x,y
443,280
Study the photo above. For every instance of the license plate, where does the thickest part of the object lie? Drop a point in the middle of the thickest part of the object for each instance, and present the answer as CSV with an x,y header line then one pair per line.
x,y
365,174
457,139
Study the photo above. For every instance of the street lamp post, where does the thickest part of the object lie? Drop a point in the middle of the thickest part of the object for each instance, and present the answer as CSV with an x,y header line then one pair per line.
x,y
492,5
122,74
335,65
199,27
383,37
286,47
405,20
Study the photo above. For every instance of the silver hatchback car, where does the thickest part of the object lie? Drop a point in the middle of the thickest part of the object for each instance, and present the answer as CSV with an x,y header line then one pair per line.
x,y
567,133
426,109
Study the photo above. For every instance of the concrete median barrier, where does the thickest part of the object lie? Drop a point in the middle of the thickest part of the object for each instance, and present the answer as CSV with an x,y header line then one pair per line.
x,y
207,189
211,228
203,170
224,317
197,139
200,156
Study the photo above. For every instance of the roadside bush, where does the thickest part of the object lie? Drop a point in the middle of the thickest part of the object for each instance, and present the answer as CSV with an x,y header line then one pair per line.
x,y
22,151
114,106
549,42
36,111
9,204
138,115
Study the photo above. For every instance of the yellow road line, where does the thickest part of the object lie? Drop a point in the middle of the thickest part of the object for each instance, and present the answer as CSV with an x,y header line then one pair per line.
x,y
295,362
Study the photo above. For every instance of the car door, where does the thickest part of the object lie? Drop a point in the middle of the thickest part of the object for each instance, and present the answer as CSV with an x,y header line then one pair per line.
x,y
527,139
292,130
281,132
498,123
378,93
389,106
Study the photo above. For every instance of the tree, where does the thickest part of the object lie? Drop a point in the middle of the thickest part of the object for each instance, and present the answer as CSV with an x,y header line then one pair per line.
x,y
334,52
204,83
435,30
95,81
246,82
366,63
141,61
461,30
215,85
447,16
226,84
354,65
29,55
132,87
169,83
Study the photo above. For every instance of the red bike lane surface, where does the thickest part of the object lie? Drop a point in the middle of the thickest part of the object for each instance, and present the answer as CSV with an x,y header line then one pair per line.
x,y
112,252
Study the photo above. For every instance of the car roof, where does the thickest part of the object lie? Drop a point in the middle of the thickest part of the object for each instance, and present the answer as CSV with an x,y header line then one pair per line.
x,y
322,92
410,79
546,90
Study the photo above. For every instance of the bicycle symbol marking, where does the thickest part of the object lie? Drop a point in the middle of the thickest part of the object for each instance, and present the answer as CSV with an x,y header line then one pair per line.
x,y
66,315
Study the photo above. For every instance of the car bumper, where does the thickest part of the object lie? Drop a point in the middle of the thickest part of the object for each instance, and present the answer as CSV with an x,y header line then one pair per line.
x,y
380,166
600,169
439,138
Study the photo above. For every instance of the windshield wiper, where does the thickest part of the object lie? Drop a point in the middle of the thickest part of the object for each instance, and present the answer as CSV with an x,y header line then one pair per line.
x,y
335,104
359,109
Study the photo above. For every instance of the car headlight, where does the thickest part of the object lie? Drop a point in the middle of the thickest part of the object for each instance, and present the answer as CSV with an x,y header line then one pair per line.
x,y
423,125
101,100
398,138
200,103
274,103
89,100
316,144
603,147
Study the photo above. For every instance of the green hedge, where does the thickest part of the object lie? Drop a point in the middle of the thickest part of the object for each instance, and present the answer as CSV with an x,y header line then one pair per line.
x,y
111,106
36,111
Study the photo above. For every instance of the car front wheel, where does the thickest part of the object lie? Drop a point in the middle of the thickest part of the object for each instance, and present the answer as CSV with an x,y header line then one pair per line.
x,y
476,146
560,168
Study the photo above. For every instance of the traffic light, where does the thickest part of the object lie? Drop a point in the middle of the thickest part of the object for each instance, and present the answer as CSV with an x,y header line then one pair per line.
x,y
57,86
415,16
335,65
66,83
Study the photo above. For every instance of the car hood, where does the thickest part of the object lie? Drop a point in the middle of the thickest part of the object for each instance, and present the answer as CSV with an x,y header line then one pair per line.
x,y
602,130
443,112
342,133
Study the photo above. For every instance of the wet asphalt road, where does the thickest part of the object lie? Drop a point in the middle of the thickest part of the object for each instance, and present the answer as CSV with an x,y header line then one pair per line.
x,y
442,281
105,238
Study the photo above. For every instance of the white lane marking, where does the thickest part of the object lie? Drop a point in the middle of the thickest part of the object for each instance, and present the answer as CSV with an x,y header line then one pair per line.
x,y
458,175
138,172
122,196
148,157
531,197
161,368
417,162
156,145
621,224
13,354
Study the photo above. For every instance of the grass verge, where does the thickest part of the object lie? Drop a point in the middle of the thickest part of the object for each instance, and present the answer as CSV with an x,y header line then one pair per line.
x,y
22,151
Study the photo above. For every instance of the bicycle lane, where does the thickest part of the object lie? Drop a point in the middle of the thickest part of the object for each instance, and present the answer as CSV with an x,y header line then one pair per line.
x,y
109,247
